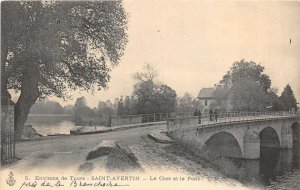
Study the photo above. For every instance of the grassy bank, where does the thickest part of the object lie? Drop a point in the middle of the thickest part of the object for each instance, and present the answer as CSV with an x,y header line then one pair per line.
x,y
119,160
207,159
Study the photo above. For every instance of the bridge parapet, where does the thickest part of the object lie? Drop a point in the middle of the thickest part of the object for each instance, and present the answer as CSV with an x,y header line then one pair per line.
x,y
245,117
182,123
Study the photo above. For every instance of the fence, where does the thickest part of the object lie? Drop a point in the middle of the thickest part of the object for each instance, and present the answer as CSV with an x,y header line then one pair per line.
x,y
7,147
242,117
209,119
157,117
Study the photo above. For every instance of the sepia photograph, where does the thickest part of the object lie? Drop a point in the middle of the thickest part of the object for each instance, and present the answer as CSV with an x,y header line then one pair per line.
x,y
150,94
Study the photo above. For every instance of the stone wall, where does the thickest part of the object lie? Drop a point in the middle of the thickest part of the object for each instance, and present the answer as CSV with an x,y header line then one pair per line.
x,y
93,120
174,124
183,130
125,120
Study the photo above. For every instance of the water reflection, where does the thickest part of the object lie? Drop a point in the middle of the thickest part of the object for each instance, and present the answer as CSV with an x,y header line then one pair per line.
x,y
63,127
273,165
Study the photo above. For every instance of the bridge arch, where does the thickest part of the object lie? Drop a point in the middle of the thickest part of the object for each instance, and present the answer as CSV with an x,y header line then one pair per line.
x,y
269,137
224,144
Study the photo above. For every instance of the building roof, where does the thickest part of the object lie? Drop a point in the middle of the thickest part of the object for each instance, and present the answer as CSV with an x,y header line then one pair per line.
x,y
206,93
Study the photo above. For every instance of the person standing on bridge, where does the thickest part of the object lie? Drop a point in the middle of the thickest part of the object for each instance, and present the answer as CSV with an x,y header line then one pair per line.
x,y
216,114
210,114
199,116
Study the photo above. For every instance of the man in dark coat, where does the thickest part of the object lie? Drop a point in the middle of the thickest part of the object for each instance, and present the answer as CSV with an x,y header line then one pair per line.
x,y
216,115
199,116
210,114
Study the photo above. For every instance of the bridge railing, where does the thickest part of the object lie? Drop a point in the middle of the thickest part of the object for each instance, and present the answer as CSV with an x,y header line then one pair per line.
x,y
209,119
233,117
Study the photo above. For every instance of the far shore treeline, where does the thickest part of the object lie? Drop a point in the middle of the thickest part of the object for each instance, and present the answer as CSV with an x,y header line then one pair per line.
x,y
243,88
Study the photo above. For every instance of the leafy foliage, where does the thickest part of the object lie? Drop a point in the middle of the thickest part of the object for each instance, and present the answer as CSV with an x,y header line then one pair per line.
x,y
50,48
81,110
148,96
248,95
47,107
288,99
244,87
154,98
246,70
188,104
69,42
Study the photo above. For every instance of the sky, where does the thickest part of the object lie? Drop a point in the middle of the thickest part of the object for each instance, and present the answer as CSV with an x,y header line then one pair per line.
x,y
193,43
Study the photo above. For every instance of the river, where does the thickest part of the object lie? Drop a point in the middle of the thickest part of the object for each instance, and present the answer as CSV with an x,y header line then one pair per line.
x,y
276,168
50,123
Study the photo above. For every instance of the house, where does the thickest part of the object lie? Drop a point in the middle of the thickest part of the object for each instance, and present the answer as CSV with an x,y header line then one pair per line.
x,y
206,97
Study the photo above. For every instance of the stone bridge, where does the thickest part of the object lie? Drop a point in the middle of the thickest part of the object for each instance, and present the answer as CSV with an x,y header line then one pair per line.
x,y
238,137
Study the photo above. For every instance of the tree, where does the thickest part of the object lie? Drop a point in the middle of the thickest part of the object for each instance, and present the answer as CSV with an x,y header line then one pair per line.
x,y
148,74
243,87
288,99
105,109
47,107
274,103
188,104
81,110
128,106
246,70
48,48
248,95
164,99
154,98
222,97
120,109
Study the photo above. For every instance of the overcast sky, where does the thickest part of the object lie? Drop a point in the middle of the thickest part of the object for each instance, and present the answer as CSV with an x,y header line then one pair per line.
x,y
192,44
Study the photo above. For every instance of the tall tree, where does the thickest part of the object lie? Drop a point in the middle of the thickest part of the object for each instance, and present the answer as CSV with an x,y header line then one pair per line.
x,y
148,74
222,97
154,98
246,70
248,95
120,109
48,48
81,110
288,99
243,87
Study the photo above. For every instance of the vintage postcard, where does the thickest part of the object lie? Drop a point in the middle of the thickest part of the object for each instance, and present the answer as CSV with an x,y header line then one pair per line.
x,y
140,94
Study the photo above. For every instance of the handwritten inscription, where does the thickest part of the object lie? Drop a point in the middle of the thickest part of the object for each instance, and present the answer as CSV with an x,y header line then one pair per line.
x,y
73,183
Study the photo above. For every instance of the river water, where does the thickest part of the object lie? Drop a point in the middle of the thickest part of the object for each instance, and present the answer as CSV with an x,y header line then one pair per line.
x,y
46,124
276,168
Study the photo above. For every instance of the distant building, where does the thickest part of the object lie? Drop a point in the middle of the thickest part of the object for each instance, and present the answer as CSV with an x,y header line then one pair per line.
x,y
206,97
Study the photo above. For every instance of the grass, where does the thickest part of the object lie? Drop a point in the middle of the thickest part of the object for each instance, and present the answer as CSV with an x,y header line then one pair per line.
x,y
101,151
118,160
